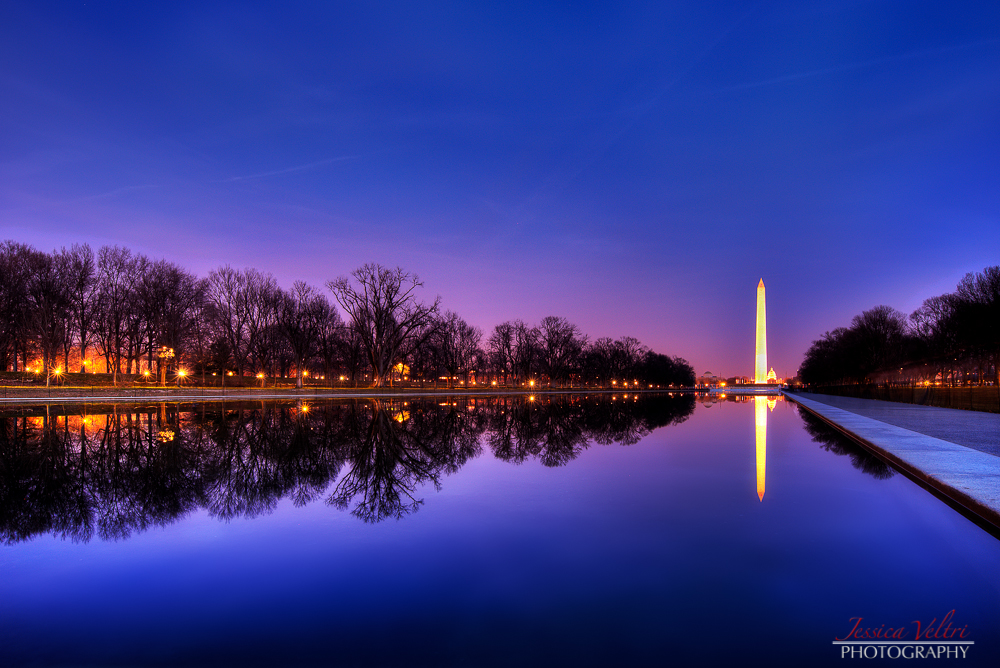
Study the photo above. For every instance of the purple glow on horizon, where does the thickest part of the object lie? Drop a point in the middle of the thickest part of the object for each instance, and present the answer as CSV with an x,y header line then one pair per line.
x,y
635,169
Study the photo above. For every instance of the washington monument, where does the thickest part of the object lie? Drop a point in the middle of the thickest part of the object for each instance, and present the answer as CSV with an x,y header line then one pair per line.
x,y
760,374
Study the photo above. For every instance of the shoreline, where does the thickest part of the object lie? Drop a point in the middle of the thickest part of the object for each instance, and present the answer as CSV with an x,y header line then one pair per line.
x,y
128,395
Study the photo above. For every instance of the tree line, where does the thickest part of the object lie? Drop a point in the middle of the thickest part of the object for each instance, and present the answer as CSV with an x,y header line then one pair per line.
x,y
125,314
952,339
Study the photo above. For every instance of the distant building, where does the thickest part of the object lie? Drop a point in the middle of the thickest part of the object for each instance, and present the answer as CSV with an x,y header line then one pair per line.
x,y
708,379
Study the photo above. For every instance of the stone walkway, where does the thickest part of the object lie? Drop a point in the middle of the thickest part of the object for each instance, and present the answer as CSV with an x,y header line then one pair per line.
x,y
951,451
980,431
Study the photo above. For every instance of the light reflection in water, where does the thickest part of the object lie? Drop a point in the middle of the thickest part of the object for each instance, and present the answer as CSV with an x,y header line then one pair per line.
x,y
761,405
760,440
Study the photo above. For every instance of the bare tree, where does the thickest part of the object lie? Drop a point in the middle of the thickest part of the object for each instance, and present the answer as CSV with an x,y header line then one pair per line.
x,y
263,304
879,335
14,271
525,348
329,342
456,345
500,351
627,353
82,279
303,315
48,305
385,312
562,345
246,305
978,313
597,360
118,270
202,332
352,353
178,300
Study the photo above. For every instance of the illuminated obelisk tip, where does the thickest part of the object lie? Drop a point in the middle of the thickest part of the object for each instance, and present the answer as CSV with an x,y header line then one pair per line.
x,y
760,360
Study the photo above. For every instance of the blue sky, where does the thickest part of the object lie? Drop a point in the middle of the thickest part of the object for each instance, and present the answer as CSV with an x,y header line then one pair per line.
x,y
634,167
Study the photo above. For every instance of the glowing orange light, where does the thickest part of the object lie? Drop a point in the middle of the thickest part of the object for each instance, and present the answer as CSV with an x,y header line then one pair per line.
x,y
182,372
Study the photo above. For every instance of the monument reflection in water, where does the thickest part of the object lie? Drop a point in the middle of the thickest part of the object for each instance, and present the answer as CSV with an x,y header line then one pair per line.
x,y
108,472
760,408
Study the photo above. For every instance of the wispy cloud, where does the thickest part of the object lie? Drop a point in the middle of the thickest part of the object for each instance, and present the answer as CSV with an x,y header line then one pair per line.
x,y
288,170
875,62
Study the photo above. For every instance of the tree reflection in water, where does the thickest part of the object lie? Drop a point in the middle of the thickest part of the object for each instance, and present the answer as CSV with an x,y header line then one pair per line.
x,y
112,470
837,443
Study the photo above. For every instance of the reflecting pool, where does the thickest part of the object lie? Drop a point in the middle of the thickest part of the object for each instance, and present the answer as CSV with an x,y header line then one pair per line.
x,y
548,530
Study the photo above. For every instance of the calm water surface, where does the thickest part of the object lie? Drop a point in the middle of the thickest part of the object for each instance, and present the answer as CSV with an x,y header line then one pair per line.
x,y
557,531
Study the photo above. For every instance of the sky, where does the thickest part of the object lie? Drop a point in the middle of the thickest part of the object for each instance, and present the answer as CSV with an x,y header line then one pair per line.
x,y
633,167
